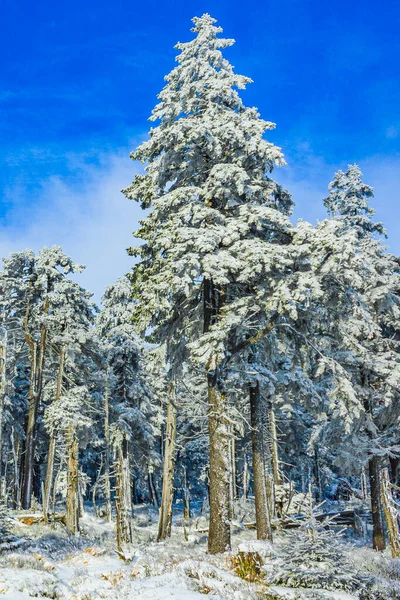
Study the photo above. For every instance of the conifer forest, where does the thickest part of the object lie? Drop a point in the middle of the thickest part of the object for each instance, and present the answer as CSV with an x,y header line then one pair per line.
x,y
225,422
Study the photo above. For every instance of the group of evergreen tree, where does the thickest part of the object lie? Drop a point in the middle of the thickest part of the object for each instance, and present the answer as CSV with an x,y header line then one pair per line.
x,y
243,352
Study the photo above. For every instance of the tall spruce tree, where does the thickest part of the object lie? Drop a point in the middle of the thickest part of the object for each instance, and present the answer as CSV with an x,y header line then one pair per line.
x,y
369,348
216,222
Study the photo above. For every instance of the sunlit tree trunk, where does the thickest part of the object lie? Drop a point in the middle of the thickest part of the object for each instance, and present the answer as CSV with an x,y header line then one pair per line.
x,y
165,518
219,538
257,410
391,514
107,487
123,501
72,502
52,443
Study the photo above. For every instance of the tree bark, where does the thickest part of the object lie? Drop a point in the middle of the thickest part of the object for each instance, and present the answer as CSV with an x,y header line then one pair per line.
x,y
263,524
391,514
363,481
52,443
245,476
37,353
219,538
394,469
185,495
107,487
72,503
123,504
378,534
232,467
15,444
274,448
317,471
165,518
3,387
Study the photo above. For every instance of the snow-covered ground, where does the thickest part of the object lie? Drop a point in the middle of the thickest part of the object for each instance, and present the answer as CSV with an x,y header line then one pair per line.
x,y
52,565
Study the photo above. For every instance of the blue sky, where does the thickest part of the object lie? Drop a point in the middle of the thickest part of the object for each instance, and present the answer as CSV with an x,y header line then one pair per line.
x,y
78,81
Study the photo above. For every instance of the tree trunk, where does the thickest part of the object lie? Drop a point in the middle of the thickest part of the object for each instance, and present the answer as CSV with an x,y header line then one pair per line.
x,y
15,444
123,504
245,476
165,519
186,495
394,462
378,535
363,478
107,487
49,476
153,496
318,484
263,524
27,475
274,448
3,386
232,482
391,514
219,538
72,503
52,443
37,352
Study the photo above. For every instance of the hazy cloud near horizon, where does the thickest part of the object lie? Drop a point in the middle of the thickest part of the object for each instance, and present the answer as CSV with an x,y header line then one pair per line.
x,y
91,219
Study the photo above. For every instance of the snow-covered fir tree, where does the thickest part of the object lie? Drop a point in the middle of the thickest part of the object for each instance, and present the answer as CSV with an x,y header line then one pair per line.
x,y
128,399
209,233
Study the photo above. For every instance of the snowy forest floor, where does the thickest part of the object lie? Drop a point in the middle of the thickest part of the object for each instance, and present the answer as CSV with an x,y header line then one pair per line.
x,y
49,564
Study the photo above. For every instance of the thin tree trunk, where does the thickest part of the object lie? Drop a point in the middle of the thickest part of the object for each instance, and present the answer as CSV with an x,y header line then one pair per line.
x,y
107,486
232,462
391,514
27,474
394,462
318,484
52,443
49,476
165,518
3,386
95,487
364,492
274,448
378,535
123,505
219,538
153,496
263,523
37,354
186,495
72,502
245,476
15,444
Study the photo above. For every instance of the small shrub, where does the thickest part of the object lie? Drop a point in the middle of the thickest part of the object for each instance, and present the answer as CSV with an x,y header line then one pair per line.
x,y
248,566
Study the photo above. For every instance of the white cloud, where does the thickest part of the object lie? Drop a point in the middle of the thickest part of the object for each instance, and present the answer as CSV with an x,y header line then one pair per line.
x,y
87,215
